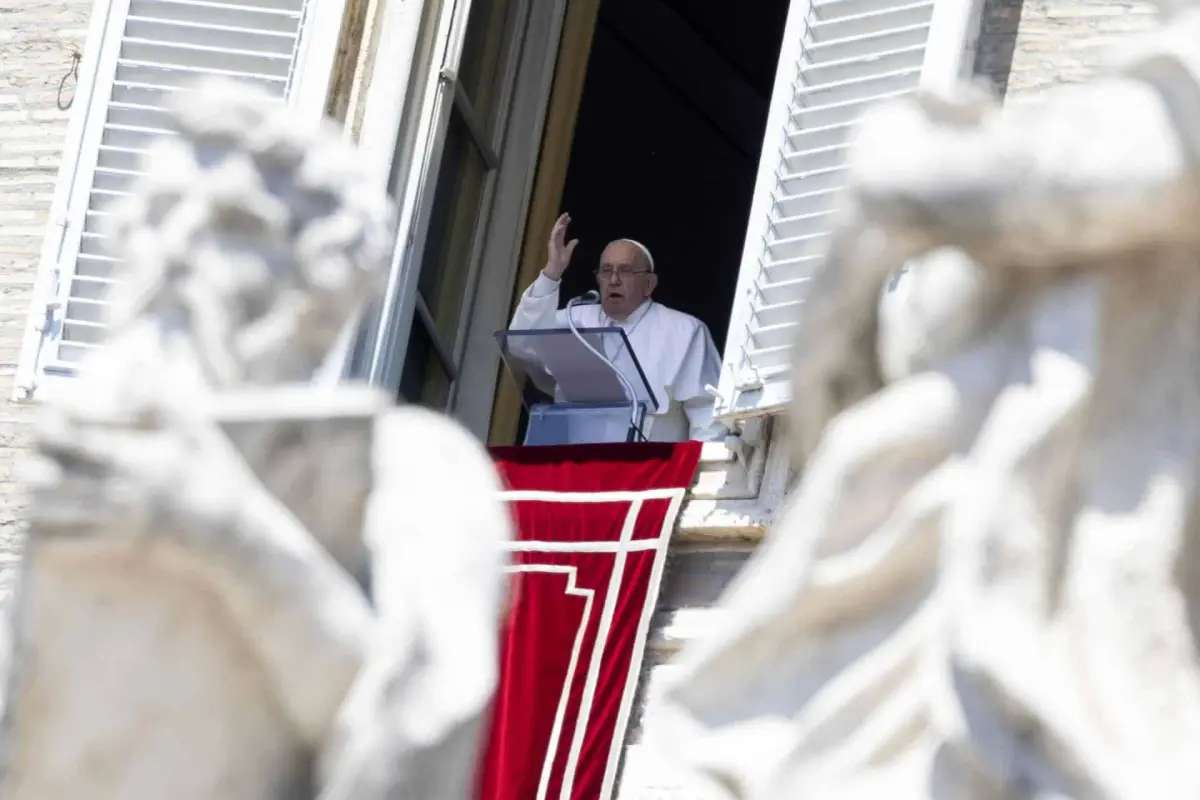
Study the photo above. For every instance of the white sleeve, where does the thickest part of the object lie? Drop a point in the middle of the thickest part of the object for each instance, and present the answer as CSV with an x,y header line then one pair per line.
x,y
701,367
538,307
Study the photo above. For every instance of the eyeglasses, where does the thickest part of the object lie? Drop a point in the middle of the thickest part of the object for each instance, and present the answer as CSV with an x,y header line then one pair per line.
x,y
621,272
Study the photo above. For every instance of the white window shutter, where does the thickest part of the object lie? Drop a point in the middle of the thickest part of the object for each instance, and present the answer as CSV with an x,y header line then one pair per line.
x,y
140,55
838,57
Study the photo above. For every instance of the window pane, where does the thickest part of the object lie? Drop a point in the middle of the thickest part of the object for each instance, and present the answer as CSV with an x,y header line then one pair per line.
x,y
484,57
424,380
453,226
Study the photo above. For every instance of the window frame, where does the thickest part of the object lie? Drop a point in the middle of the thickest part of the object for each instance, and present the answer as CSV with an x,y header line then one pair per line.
x,y
489,143
381,351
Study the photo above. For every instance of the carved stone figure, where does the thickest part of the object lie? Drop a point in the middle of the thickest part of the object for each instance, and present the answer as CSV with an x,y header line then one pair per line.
x,y
987,584
241,584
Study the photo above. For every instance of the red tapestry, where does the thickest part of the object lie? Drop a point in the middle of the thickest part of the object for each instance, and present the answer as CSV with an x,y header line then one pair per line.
x,y
593,523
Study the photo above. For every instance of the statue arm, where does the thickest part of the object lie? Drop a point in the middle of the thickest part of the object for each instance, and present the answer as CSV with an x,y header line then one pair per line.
x,y
435,526
184,486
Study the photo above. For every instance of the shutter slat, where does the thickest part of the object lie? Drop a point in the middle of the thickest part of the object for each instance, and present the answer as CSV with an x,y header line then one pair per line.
x,y
220,9
816,180
108,192
70,353
120,173
77,317
92,247
806,202
839,113
785,292
133,117
138,130
863,49
859,24
91,288
841,57
159,76
135,94
812,138
267,20
195,57
169,31
826,10
802,224
127,140
93,221
772,317
84,307
766,358
790,269
798,246
119,157
111,182
852,83
94,266
815,158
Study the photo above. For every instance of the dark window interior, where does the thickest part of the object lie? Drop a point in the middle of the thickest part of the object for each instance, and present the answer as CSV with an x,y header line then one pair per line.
x,y
667,142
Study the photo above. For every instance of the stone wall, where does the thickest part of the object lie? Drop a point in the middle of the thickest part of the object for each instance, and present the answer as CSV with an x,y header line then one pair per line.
x,y
1026,46
38,39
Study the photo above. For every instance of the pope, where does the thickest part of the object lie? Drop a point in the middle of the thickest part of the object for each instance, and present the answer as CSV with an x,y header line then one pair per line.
x,y
675,349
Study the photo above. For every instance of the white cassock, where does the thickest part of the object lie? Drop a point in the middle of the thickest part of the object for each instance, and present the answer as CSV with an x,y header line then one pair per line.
x,y
675,349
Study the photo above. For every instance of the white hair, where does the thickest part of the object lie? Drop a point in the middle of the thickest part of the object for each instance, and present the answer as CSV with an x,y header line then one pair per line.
x,y
645,251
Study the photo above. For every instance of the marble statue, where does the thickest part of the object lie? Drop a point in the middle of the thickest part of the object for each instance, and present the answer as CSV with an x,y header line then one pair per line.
x,y
244,580
987,582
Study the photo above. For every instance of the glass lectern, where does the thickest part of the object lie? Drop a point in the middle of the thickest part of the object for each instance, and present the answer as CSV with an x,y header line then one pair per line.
x,y
591,403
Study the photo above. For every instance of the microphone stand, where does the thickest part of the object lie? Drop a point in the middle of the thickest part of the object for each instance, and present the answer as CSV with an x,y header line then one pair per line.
x,y
592,298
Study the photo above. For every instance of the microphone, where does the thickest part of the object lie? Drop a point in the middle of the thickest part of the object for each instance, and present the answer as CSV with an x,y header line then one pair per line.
x,y
589,298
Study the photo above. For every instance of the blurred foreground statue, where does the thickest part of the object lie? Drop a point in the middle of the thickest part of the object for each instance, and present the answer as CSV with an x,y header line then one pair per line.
x,y
987,584
239,584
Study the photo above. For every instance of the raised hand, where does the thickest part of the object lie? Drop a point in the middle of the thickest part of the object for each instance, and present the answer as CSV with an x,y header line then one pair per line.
x,y
560,249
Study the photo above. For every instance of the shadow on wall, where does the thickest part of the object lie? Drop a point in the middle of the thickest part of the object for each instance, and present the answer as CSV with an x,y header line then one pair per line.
x,y
997,42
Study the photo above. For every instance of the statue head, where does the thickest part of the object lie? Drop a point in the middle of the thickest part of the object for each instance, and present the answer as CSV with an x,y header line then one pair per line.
x,y
252,239
1170,8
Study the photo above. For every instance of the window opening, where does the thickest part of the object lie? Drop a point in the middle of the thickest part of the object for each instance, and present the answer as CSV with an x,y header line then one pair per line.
x,y
665,150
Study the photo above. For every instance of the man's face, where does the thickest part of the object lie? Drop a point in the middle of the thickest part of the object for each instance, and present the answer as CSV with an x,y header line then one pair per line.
x,y
624,279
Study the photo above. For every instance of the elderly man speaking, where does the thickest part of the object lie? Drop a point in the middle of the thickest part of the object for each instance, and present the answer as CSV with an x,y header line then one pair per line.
x,y
675,349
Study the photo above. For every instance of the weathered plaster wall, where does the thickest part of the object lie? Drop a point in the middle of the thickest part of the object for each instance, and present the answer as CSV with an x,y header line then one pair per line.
x,y
37,40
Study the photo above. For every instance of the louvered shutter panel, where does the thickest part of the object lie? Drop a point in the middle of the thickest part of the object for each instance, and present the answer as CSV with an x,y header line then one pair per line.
x,y
145,53
838,57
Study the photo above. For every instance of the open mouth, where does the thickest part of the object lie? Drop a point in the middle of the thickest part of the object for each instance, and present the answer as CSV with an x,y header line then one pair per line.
x,y
614,295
